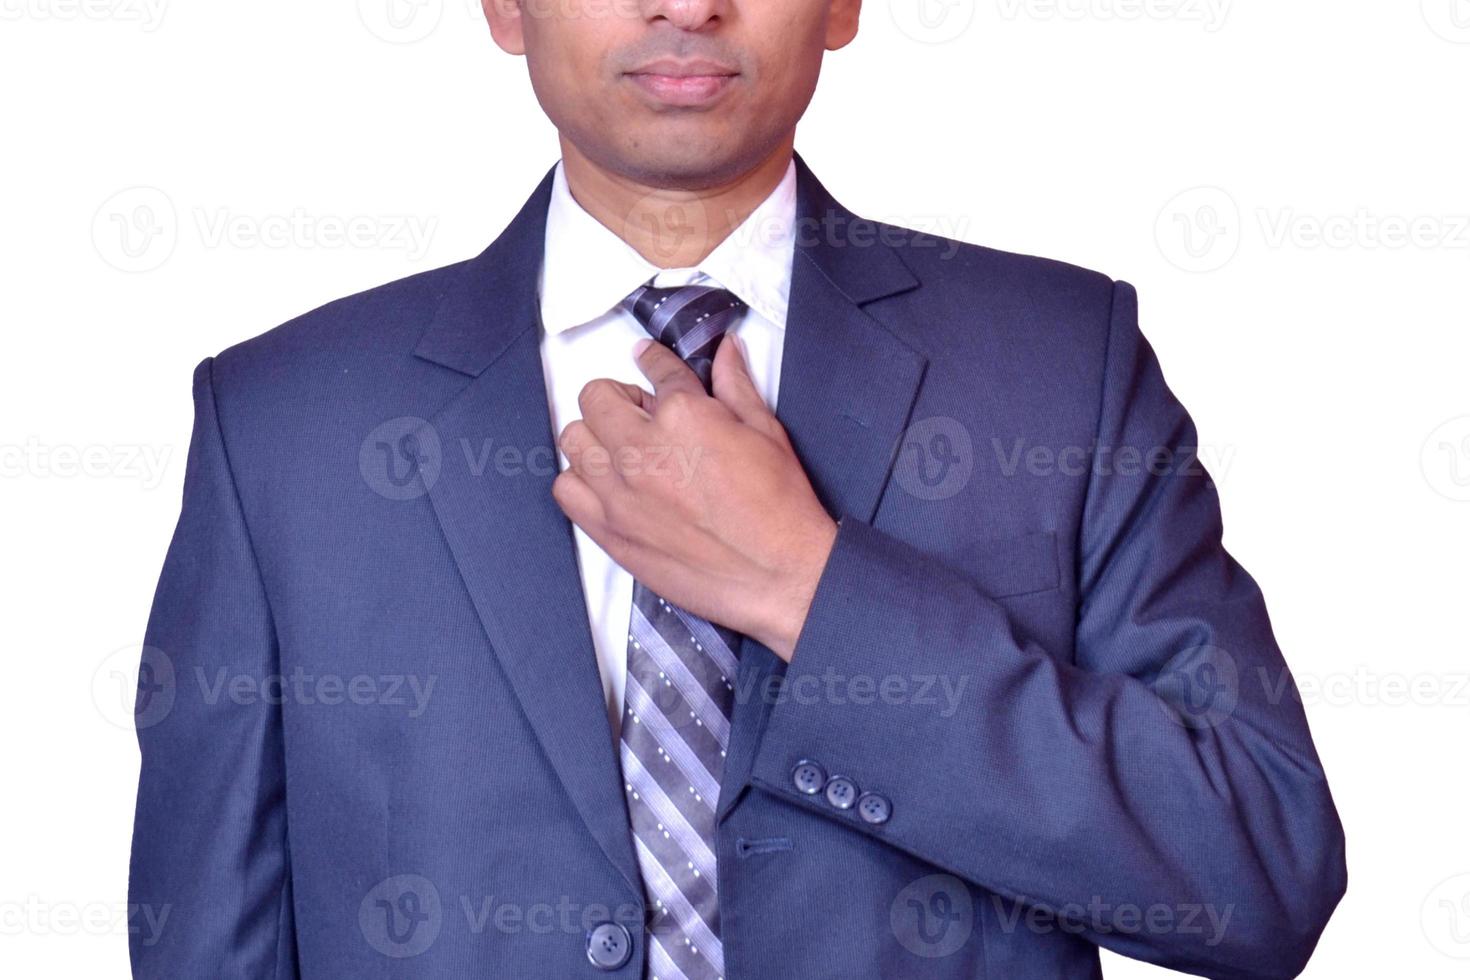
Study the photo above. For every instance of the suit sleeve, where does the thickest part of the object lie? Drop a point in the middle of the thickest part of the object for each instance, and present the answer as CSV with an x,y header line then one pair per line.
x,y
209,856
1168,767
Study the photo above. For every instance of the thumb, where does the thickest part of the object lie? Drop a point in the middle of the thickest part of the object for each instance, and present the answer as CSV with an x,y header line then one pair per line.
x,y
732,385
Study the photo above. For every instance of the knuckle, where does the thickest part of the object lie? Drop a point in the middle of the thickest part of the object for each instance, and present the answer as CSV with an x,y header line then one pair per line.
x,y
593,393
564,491
573,436
595,461
677,404
628,462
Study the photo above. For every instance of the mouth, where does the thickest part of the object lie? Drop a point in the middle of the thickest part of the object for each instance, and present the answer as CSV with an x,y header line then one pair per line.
x,y
684,84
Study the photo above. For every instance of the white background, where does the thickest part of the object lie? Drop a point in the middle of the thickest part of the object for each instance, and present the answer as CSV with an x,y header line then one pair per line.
x,y
1323,356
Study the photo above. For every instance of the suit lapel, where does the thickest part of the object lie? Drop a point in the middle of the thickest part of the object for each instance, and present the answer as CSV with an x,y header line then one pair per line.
x,y
513,546
847,387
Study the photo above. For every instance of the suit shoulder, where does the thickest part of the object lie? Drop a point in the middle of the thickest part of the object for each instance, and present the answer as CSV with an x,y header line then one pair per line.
x,y
378,322
937,260
1024,337
974,295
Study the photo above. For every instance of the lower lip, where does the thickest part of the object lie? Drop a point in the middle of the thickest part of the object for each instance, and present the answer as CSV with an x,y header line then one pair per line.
x,y
685,90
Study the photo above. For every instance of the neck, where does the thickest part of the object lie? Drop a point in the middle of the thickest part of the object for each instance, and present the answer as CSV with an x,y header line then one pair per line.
x,y
671,227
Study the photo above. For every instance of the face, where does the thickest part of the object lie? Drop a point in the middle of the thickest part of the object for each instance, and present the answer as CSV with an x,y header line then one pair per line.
x,y
674,93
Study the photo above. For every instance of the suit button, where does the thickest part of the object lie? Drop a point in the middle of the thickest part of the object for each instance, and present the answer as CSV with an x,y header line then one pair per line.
x,y
842,792
874,808
609,946
808,777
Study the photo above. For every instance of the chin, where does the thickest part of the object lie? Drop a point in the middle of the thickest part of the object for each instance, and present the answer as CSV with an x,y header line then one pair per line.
x,y
678,158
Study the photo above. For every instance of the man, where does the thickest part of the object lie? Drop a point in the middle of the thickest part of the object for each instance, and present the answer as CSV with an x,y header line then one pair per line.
x,y
714,691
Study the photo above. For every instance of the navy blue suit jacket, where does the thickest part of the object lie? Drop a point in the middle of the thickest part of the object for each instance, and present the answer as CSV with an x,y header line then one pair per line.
x,y
374,742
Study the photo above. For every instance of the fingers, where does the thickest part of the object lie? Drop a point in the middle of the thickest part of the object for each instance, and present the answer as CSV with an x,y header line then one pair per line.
x,y
735,389
665,370
578,501
587,509
588,458
612,391
613,410
732,384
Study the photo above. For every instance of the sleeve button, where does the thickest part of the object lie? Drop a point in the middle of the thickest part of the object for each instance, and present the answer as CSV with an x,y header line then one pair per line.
x,y
842,792
874,808
808,777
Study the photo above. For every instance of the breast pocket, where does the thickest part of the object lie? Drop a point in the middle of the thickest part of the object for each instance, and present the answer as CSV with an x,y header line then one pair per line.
x,y
1012,566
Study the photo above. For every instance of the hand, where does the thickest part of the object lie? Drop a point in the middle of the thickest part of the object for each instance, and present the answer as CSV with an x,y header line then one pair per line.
x,y
700,497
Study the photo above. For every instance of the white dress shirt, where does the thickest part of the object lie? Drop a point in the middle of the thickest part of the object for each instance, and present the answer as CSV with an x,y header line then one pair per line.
x,y
586,272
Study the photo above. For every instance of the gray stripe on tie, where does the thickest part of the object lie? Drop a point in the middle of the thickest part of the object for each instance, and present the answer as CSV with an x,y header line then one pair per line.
x,y
670,701
669,814
690,921
671,742
711,641
661,965
703,332
667,310
668,661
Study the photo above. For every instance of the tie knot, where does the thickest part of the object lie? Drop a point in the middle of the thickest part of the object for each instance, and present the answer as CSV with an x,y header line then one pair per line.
x,y
689,320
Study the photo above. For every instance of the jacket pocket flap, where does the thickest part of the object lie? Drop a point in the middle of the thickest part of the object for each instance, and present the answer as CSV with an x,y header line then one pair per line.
x,y
1014,565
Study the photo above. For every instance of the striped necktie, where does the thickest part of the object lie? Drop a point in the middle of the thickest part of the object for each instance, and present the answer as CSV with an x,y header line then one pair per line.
x,y
678,698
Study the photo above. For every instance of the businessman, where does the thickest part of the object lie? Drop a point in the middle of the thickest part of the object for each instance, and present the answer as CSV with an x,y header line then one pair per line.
x,y
705,581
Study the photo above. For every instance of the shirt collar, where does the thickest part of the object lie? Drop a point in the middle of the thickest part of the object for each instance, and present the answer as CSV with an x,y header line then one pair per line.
x,y
587,269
